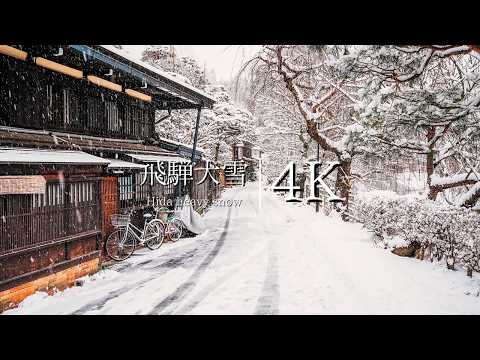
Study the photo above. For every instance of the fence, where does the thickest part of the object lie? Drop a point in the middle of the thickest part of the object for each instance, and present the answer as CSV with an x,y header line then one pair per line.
x,y
67,208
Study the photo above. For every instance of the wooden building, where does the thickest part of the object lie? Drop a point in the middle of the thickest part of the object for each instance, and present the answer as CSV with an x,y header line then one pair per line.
x,y
245,151
76,130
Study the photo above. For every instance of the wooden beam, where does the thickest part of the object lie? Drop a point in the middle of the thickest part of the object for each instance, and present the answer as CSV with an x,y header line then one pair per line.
x,y
104,83
52,65
13,52
138,95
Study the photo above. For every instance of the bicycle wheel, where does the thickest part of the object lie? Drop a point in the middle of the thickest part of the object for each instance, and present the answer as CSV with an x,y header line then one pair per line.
x,y
120,245
175,229
154,234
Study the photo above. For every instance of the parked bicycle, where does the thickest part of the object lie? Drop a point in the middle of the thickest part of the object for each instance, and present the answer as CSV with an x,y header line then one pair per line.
x,y
172,224
121,243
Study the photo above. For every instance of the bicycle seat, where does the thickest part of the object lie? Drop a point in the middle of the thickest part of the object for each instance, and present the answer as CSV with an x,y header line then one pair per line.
x,y
147,216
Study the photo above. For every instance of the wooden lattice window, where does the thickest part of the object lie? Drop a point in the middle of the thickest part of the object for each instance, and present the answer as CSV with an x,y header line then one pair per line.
x,y
66,208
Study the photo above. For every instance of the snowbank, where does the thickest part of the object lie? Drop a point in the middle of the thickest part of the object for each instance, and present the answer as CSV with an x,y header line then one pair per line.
x,y
443,231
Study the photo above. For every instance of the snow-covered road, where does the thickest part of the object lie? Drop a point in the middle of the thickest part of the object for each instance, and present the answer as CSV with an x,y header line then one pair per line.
x,y
280,259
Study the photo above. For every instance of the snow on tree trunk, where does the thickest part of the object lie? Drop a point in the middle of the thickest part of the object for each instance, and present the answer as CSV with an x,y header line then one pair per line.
x,y
343,183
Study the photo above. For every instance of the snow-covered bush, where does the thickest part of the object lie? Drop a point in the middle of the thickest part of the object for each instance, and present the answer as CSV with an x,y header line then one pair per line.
x,y
441,231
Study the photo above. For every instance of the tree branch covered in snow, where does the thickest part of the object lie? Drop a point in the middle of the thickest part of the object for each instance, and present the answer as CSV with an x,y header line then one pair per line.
x,y
220,127
323,99
379,102
422,99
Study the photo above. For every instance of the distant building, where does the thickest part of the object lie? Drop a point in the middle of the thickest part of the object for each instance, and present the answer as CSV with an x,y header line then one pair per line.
x,y
247,152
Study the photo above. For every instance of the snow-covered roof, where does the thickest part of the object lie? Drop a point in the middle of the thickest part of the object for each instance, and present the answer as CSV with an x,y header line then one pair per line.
x,y
199,149
154,69
120,164
40,156
148,158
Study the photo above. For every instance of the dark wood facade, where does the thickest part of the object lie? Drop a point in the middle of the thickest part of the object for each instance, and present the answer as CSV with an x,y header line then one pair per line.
x,y
38,98
243,151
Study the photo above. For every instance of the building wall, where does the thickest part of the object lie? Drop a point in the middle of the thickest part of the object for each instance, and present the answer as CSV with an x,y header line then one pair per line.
x,y
40,244
49,283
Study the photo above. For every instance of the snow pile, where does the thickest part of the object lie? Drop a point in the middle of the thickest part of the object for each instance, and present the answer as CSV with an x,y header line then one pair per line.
x,y
191,219
373,195
441,231
99,283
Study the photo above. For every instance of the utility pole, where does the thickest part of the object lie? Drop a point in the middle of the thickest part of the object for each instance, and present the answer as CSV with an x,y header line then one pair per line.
x,y
205,72
194,148
172,55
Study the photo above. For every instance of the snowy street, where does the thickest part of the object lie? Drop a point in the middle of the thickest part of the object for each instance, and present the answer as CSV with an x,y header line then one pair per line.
x,y
280,259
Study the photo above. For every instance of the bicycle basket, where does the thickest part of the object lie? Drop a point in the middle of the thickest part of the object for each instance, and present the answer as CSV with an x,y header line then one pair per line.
x,y
119,220
162,214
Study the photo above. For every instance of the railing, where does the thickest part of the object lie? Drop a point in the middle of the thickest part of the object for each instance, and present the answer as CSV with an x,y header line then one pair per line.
x,y
67,208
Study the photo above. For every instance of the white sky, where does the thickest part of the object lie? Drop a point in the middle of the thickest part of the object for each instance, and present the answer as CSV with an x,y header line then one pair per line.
x,y
224,59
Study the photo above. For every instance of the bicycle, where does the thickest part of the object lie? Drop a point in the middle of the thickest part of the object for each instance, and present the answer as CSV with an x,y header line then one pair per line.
x,y
173,226
122,242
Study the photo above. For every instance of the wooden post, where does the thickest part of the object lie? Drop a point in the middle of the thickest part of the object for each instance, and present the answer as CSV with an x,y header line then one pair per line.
x,y
195,137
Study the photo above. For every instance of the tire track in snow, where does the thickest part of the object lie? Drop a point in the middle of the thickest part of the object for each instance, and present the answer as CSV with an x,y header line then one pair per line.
x,y
185,288
268,302
208,289
160,269
202,294
97,305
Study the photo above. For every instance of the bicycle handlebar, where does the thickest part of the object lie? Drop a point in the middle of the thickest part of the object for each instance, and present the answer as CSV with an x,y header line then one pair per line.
x,y
155,209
